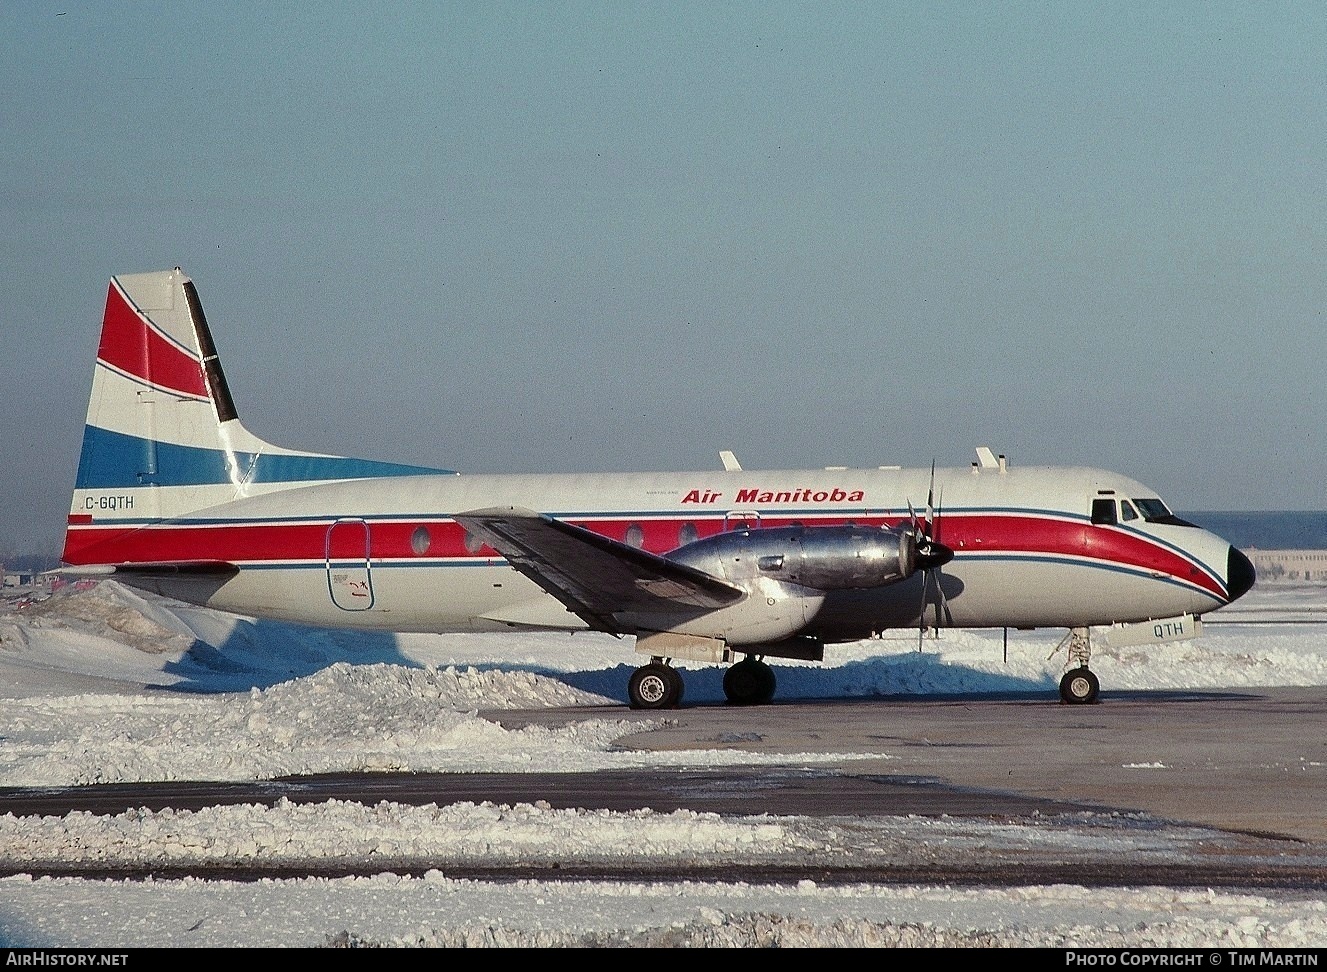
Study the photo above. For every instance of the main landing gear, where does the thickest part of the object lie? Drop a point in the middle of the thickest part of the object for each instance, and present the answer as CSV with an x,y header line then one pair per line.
x,y
1078,686
658,685
749,682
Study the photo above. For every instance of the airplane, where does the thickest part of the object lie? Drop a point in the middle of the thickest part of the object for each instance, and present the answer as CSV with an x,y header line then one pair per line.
x,y
725,566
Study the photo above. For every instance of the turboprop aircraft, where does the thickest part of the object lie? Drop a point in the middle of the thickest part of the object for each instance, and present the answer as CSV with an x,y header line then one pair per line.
x,y
175,496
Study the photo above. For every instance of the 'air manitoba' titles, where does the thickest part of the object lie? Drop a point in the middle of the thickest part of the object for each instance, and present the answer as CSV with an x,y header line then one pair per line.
x,y
801,495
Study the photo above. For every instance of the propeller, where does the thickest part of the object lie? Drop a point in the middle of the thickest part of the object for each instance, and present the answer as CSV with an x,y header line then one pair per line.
x,y
931,556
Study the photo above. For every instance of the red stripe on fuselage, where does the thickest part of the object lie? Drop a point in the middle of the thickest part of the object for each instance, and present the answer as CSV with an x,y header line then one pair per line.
x,y
1046,535
129,344
240,543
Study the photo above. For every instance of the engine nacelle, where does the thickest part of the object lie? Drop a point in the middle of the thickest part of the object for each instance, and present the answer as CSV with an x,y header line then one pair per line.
x,y
825,558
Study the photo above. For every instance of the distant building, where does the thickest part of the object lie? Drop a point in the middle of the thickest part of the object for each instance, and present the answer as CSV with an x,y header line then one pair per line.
x,y
27,578
1289,566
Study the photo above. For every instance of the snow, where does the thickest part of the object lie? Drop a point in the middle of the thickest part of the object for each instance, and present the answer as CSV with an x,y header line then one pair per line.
x,y
109,686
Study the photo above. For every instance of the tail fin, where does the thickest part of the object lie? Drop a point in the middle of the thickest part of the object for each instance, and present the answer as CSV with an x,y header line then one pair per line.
x,y
162,438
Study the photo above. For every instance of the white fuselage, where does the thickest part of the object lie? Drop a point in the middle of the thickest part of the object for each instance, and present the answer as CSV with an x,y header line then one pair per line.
x,y
386,554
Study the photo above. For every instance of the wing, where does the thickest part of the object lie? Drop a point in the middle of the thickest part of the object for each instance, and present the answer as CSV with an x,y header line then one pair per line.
x,y
595,577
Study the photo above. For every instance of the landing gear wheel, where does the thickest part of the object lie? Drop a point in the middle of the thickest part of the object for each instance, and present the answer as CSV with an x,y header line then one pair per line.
x,y
749,682
1079,687
655,686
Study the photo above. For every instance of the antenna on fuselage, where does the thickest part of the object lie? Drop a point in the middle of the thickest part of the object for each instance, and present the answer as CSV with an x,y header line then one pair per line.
x,y
730,462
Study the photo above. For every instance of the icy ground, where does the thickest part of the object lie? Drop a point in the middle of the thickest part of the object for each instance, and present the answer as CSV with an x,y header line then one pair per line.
x,y
106,685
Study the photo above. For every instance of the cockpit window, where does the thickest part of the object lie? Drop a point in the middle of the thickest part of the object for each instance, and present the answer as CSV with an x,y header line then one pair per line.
x,y
1127,511
1103,511
1155,511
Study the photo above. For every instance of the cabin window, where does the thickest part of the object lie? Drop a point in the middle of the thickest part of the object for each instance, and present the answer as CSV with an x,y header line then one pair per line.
x,y
1127,511
420,540
1103,511
687,534
473,543
635,536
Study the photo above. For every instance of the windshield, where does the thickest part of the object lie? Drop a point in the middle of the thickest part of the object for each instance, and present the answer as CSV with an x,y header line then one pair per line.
x,y
1155,511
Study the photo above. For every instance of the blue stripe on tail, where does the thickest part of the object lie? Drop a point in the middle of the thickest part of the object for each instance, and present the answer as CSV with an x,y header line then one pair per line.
x,y
112,460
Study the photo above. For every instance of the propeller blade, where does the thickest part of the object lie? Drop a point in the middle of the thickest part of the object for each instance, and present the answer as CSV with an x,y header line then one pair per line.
x,y
939,512
931,553
930,498
941,602
921,613
931,556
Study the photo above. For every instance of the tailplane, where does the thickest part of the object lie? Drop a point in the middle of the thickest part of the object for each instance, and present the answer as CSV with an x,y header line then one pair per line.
x,y
162,438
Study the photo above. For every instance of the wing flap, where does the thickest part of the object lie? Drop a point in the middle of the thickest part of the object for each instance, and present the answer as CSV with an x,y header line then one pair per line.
x,y
597,578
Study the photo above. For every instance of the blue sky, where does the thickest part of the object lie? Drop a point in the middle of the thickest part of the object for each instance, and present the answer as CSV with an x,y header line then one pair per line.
x,y
588,237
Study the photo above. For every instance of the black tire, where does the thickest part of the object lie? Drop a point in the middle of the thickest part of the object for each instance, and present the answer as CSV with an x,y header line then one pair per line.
x,y
655,686
1079,687
749,682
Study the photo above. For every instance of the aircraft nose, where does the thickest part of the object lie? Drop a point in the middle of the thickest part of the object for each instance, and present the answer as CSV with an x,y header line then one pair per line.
x,y
1240,574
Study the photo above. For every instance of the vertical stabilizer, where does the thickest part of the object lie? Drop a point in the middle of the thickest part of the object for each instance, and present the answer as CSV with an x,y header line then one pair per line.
x,y
162,438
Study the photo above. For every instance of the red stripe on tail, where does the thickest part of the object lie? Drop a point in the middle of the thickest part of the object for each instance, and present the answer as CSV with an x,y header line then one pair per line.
x,y
130,345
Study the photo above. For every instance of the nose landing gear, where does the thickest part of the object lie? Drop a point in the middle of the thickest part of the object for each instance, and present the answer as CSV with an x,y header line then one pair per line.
x,y
1078,686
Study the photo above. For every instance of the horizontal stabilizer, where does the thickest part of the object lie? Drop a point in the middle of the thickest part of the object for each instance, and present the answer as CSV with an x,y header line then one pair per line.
x,y
596,577
176,568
